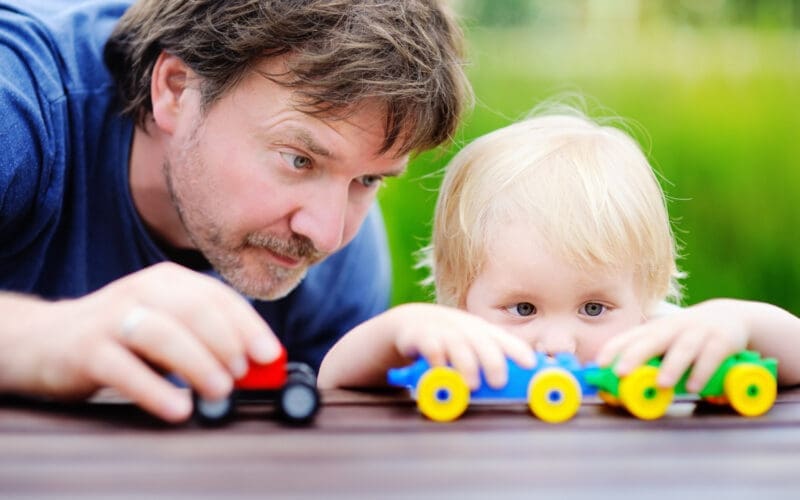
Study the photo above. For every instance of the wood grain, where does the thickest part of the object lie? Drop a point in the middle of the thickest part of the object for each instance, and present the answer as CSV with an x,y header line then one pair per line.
x,y
376,445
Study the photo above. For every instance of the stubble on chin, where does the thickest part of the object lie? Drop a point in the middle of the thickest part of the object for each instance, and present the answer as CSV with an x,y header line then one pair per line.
x,y
268,282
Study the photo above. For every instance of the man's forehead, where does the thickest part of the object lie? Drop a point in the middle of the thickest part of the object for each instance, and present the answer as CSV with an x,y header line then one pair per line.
x,y
367,113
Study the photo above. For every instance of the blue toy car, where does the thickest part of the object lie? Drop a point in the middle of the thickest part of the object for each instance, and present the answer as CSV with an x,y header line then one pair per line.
x,y
553,388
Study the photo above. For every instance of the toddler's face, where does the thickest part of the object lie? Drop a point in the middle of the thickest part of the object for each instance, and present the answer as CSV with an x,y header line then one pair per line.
x,y
549,302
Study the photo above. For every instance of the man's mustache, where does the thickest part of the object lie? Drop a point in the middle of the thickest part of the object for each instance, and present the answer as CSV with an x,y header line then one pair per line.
x,y
297,246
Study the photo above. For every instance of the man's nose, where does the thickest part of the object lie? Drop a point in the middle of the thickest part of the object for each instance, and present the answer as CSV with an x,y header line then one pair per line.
x,y
321,218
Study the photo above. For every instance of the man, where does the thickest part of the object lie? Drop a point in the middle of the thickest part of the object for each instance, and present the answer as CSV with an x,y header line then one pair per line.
x,y
244,139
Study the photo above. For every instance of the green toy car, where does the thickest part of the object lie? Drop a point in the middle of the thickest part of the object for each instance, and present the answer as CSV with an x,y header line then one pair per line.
x,y
744,380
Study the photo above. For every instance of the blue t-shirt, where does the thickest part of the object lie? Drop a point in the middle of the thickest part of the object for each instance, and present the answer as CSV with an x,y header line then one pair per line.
x,y
68,225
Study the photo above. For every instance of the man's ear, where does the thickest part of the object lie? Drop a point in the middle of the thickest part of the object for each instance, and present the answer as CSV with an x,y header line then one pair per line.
x,y
169,80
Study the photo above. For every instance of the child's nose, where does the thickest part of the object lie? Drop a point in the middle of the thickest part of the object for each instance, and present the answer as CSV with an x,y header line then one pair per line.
x,y
555,341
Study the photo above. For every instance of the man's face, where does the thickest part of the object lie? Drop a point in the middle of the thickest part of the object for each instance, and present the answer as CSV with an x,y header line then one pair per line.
x,y
264,191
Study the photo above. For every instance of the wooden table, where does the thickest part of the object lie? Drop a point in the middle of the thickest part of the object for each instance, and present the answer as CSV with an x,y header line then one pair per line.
x,y
376,445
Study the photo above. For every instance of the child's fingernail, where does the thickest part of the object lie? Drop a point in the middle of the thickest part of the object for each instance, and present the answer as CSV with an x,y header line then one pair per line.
x,y
498,381
529,359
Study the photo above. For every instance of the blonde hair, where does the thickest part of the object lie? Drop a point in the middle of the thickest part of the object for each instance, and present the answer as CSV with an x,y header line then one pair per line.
x,y
586,189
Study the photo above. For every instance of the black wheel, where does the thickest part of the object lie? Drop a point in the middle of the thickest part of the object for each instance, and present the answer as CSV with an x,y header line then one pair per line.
x,y
212,412
298,401
301,371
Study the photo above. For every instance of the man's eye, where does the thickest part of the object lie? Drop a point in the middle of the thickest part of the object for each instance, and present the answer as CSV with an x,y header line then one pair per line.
x,y
371,180
522,309
593,309
296,161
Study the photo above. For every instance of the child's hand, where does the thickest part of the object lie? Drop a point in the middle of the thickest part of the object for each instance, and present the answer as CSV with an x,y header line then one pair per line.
x,y
445,335
701,336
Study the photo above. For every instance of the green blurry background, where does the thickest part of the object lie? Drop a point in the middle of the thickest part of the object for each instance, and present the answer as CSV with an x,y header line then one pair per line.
x,y
713,89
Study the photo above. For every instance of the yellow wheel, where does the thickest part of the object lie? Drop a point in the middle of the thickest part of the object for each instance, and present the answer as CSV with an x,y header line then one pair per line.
x,y
751,389
554,395
609,398
442,394
641,396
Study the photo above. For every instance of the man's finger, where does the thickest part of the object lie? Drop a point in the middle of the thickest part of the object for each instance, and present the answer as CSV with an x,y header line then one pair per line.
x,y
116,367
161,339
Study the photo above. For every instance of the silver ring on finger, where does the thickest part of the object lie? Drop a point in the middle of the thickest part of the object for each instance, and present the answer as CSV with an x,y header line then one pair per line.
x,y
131,321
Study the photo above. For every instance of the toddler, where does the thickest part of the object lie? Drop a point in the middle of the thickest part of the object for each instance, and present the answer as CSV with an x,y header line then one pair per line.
x,y
552,233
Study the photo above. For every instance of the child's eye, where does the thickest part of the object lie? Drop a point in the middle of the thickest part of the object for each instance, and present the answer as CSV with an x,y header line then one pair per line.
x,y
593,309
296,161
522,309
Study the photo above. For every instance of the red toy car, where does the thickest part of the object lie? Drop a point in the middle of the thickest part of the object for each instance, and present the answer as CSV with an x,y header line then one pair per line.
x,y
291,386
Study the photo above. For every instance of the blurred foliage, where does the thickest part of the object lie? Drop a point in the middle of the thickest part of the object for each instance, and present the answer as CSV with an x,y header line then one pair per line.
x,y
711,91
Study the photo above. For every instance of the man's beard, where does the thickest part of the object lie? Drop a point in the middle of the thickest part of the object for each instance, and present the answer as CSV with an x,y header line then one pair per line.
x,y
270,281
264,280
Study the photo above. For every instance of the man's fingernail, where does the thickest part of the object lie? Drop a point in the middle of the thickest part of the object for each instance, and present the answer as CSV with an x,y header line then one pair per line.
x,y
238,367
177,409
264,350
219,383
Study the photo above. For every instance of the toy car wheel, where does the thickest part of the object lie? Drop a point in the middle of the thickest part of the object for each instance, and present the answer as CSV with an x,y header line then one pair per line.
x,y
751,389
554,395
298,401
442,394
212,412
301,371
641,396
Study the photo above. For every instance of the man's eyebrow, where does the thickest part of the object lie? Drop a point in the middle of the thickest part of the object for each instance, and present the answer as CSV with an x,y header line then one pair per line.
x,y
398,172
308,141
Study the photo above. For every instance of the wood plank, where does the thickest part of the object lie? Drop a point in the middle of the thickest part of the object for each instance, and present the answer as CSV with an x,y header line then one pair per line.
x,y
377,445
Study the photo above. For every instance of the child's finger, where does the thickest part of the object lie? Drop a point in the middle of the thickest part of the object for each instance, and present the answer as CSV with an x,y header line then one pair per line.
x,y
614,346
492,359
680,355
650,342
464,359
517,349
432,349
709,359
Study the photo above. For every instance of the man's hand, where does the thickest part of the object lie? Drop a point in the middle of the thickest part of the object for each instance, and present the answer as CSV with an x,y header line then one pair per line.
x,y
164,316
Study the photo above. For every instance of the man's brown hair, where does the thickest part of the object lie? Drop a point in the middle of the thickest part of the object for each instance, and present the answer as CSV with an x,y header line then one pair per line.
x,y
406,54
